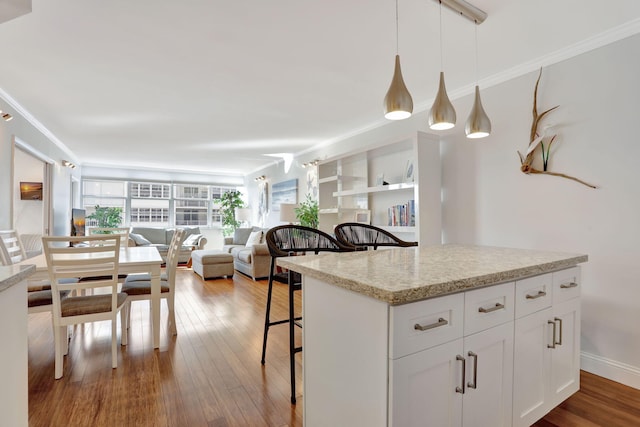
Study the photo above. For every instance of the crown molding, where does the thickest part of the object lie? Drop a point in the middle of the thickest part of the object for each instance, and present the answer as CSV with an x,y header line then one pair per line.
x,y
36,124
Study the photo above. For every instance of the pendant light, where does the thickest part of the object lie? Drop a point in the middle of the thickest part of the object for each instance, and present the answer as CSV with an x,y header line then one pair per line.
x,y
398,104
442,115
478,124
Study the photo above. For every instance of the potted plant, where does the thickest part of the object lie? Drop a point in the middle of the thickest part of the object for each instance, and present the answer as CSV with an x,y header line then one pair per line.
x,y
107,217
228,204
307,212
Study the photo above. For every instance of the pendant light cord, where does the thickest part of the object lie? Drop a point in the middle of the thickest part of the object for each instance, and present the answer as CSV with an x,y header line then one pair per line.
x,y
397,32
441,62
476,34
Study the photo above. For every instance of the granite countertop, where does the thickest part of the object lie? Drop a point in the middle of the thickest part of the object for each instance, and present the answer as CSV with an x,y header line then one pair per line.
x,y
404,275
14,274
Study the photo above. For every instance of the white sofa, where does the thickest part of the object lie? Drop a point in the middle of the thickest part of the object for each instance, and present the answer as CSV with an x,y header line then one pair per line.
x,y
254,260
161,237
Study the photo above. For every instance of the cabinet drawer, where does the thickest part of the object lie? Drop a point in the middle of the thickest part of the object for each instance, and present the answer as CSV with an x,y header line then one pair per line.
x,y
488,307
533,294
566,284
440,318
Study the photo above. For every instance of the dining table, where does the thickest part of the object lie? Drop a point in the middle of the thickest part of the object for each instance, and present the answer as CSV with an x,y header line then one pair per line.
x,y
134,259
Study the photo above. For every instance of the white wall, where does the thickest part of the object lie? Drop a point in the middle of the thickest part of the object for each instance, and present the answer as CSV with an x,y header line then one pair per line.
x,y
27,214
488,201
21,129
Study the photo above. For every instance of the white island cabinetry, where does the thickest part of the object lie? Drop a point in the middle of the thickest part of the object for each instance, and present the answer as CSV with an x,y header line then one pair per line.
x,y
13,370
428,339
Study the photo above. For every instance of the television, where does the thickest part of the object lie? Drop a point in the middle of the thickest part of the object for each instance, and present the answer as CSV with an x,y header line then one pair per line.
x,y
30,191
77,222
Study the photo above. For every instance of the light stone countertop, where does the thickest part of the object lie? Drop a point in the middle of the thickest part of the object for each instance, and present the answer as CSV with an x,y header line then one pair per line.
x,y
13,274
404,275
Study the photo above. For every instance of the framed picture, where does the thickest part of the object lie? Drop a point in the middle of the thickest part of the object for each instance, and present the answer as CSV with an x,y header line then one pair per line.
x,y
362,216
284,192
262,198
408,172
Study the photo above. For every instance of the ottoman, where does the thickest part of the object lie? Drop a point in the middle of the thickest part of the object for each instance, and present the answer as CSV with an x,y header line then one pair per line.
x,y
209,263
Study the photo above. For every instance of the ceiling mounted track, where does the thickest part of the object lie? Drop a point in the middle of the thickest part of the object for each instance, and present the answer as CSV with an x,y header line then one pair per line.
x,y
465,9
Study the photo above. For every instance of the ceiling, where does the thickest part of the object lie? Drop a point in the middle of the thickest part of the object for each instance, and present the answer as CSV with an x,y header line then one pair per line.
x,y
213,86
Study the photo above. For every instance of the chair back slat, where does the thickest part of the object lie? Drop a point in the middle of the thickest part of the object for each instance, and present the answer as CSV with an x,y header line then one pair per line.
x,y
172,255
365,235
123,232
11,248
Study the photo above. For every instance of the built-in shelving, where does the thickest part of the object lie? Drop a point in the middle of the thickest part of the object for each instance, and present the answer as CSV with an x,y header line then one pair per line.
x,y
350,183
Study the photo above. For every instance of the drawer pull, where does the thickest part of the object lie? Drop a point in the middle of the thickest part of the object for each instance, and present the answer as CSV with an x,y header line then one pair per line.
x,y
559,320
441,322
553,339
538,295
498,306
474,384
464,374
569,285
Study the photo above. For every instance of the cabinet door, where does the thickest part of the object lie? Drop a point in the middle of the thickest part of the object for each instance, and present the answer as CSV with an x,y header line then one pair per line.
x,y
423,388
565,357
531,366
489,377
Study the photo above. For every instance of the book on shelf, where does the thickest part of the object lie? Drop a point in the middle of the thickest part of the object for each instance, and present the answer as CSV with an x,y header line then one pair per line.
x,y
403,215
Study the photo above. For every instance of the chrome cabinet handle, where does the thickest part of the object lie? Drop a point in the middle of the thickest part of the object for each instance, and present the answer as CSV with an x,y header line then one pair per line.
x,y
498,306
474,384
464,365
441,322
569,285
538,295
559,320
553,340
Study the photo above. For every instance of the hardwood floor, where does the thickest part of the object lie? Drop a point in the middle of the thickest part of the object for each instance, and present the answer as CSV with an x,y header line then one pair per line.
x,y
210,373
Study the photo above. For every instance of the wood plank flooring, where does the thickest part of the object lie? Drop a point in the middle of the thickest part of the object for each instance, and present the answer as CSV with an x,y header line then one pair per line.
x,y
210,373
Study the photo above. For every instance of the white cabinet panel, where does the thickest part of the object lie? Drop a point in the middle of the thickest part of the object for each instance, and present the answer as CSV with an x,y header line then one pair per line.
x,y
531,367
488,307
489,377
533,294
441,318
423,388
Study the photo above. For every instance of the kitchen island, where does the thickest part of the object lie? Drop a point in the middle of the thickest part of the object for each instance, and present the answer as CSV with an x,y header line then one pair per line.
x,y
13,367
437,336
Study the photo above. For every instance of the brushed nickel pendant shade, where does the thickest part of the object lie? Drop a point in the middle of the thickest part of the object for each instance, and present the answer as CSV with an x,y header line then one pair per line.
x,y
398,104
442,115
478,124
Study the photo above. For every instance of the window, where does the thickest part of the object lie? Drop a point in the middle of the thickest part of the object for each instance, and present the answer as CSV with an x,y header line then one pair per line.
x,y
150,204
157,204
191,204
104,194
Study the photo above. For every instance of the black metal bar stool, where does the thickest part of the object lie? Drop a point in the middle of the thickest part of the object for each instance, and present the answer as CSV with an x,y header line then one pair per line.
x,y
288,240
364,236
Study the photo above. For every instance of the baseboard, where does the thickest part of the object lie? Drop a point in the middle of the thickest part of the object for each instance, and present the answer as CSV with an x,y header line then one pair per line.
x,y
611,369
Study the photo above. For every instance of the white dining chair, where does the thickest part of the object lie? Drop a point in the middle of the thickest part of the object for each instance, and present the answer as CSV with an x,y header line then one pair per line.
x,y
138,286
11,249
66,259
123,232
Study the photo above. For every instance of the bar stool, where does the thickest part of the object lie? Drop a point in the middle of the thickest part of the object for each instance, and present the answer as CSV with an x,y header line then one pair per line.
x,y
364,236
288,240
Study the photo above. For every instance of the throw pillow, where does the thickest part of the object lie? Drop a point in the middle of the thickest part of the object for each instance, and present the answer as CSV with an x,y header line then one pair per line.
x,y
192,240
254,238
241,235
139,239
